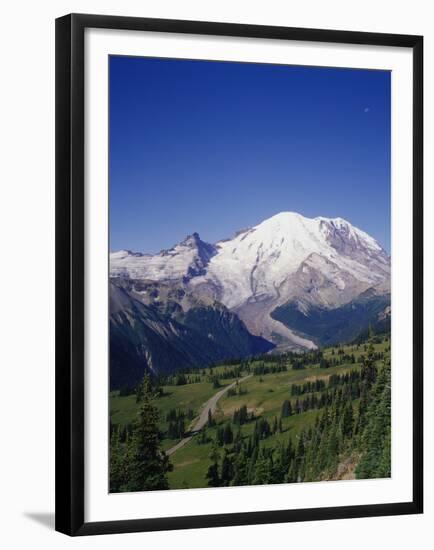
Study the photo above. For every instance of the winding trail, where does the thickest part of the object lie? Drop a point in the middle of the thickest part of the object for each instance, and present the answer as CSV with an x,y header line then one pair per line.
x,y
210,405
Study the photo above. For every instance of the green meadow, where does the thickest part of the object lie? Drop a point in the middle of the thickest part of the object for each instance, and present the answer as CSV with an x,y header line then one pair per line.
x,y
262,395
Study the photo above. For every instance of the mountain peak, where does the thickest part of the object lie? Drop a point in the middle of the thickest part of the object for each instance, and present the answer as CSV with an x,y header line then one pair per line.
x,y
286,214
285,217
191,240
255,263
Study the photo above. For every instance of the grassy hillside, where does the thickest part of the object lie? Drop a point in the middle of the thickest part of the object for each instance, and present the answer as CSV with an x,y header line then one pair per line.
x,y
263,394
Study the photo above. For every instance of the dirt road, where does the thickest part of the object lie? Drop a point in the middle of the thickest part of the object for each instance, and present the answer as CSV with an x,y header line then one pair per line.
x,y
210,405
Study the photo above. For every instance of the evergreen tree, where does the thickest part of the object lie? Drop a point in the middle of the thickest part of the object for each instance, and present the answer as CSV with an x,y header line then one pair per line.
x,y
299,456
228,435
148,465
240,476
262,470
227,470
347,420
286,409
375,437
369,370
220,436
292,475
139,393
212,475
117,462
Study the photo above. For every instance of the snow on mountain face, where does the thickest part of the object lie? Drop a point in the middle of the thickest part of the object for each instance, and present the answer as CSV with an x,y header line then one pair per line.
x,y
258,261
187,259
288,257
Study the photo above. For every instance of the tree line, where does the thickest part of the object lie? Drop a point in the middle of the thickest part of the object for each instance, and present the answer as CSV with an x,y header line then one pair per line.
x,y
340,430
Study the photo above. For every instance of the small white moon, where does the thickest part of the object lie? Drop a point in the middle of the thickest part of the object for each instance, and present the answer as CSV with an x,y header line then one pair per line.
x,y
366,110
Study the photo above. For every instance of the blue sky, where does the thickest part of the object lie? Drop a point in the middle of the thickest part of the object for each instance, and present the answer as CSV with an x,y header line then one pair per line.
x,y
215,147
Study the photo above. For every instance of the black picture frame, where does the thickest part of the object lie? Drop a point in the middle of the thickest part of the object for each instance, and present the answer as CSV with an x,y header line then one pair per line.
x,y
70,238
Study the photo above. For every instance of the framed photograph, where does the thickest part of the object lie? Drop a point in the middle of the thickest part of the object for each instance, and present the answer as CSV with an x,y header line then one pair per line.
x,y
238,274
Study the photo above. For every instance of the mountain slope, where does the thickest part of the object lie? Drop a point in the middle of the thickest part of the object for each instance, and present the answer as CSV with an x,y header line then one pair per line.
x,y
342,324
149,337
306,264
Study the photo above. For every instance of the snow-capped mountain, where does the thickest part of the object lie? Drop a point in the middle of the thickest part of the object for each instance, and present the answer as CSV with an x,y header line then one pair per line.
x,y
288,260
185,260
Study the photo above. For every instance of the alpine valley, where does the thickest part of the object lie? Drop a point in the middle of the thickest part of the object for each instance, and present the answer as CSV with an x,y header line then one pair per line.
x,y
290,283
